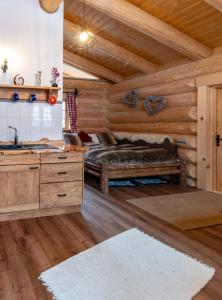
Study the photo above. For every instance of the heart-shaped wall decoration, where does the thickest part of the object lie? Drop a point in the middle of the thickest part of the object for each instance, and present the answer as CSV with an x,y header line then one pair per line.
x,y
131,98
154,104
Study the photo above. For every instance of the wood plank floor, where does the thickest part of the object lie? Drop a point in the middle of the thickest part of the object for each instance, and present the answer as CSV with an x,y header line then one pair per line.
x,y
28,247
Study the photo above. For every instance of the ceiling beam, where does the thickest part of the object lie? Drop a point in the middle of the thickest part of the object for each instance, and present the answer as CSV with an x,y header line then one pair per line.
x,y
142,21
215,3
50,6
119,53
91,67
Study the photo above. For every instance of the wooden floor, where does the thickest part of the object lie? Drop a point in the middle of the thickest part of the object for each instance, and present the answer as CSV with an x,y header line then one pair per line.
x,y
28,247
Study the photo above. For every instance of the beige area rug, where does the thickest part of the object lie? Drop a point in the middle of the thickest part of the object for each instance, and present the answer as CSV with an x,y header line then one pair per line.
x,y
129,266
186,211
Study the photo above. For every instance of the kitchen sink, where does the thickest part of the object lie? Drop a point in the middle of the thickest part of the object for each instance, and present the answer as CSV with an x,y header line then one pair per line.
x,y
27,147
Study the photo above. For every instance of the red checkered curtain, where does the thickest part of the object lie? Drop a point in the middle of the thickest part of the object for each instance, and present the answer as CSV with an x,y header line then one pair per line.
x,y
72,110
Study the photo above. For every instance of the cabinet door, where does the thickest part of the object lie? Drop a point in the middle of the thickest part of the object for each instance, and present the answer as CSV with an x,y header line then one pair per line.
x,y
19,189
61,194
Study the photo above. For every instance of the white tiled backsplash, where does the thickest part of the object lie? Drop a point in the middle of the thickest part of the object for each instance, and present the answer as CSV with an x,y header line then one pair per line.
x,y
34,121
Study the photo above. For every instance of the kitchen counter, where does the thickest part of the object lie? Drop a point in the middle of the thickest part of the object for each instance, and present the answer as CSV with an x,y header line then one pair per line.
x,y
41,182
61,148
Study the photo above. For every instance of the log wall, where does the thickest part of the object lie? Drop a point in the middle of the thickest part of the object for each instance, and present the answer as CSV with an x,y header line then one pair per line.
x,y
178,119
92,103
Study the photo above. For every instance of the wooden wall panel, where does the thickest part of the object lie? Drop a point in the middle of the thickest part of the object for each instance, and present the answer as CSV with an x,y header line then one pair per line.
x,y
91,104
177,120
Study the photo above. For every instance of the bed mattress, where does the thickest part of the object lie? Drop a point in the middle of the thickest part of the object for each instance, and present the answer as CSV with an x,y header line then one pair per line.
x,y
129,154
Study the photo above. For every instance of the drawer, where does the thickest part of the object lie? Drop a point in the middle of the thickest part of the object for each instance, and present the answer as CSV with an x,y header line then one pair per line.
x,y
19,159
61,172
53,158
61,194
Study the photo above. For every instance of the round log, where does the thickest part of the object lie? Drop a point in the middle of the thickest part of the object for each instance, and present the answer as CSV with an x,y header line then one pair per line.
x,y
189,128
164,89
172,114
182,99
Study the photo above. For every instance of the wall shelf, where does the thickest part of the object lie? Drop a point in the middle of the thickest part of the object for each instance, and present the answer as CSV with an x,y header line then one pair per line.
x,y
42,92
28,87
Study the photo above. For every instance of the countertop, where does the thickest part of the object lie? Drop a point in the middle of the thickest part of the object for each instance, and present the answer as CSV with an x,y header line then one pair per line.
x,y
62,148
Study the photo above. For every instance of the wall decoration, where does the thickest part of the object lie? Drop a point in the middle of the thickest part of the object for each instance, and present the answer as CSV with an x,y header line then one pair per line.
x,y
154,104
15,97
38,78
131,98
32,97
55,77
52,100
50,6
4,66
19,80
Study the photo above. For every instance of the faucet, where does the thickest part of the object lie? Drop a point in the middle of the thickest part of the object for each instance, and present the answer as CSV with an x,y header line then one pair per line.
x,y
16,135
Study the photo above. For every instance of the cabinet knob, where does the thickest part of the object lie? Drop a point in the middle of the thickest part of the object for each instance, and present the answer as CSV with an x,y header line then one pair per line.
x,y
33,168
62,173
62,157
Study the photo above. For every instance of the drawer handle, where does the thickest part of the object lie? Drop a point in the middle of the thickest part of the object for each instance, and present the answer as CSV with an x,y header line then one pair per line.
x,y
61,195
33,168
62,157
62,173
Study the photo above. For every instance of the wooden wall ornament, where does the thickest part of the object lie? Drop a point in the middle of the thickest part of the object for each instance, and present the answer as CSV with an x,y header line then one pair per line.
x,y
131,98
154,104
50,6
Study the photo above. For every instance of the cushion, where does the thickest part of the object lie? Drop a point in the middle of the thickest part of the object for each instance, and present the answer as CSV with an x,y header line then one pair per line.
x,y
72,139
107,138
85,138
94,138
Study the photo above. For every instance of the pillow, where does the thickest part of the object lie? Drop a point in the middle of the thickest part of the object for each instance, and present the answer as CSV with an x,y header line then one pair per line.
x,y
107,138
72,139
94,138
85,138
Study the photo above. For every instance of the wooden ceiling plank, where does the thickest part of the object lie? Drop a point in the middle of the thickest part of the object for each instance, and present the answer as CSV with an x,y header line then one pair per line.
x,y
91,67
215,3
142,21
119,53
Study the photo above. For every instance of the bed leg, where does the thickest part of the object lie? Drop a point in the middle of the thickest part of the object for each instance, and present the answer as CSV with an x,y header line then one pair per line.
x,y
104,181
183,173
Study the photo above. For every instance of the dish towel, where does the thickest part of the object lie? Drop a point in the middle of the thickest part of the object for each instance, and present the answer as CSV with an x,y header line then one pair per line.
x,y
72,110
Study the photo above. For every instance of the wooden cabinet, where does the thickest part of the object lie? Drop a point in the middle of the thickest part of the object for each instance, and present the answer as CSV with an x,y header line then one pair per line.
x,y
61,179
60,194
61,172
66,157
43,184
19,188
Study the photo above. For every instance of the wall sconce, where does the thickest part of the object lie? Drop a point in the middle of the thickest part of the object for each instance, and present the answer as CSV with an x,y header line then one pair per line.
x,y
4,66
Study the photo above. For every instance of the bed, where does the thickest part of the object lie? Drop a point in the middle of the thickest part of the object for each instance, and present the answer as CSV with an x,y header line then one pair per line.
x,y
131,160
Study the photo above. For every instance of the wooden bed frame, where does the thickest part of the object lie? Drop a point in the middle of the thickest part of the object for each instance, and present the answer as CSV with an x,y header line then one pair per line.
x,y
106,172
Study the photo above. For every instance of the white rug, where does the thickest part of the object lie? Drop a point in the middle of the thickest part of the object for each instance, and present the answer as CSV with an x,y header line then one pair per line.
x,y
129,266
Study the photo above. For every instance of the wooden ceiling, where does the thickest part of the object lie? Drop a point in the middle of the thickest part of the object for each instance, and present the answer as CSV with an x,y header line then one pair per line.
x,y
194,18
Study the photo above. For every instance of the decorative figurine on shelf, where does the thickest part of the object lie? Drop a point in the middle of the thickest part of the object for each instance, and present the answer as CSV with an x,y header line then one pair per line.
x,y
52,100
19,80
15,97
32,97
55,77
4,66
38,78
